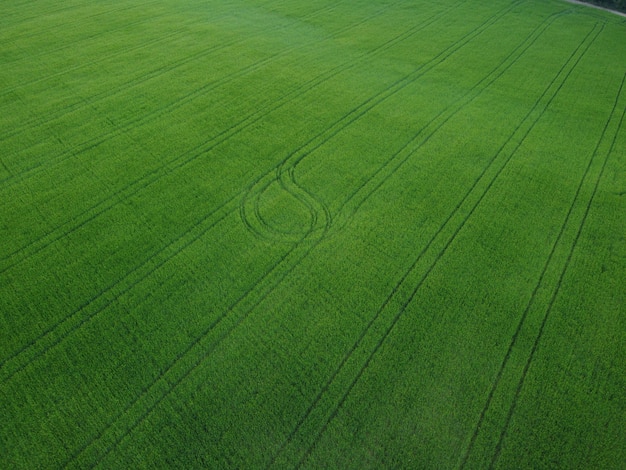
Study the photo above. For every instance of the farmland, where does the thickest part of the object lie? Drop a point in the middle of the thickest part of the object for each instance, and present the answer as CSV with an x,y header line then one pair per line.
x,y
312,234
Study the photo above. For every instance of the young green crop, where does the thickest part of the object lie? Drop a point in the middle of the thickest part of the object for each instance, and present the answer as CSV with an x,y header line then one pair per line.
x,y
350,234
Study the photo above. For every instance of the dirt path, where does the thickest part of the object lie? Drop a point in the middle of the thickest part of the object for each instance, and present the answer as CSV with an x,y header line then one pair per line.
x,y
597,7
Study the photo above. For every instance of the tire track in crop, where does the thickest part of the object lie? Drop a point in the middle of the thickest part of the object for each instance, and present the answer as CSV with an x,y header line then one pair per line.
x,y
424,134
332,73
414,145
169,384
285,174
192,356
155,73
595,181
62,230
542,277
60,330
50,330
118,53
39,15
250,204
82,65
530,120
442,252
115,286
4,167
102,96
64,26
302,157
19,11
55,333
137,80
153,115
73,44
98,209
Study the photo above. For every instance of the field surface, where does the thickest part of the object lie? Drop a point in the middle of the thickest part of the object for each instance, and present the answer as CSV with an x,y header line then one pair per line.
x,y
312,234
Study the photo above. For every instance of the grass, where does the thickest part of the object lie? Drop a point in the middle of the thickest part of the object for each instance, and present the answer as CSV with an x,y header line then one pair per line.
x,y
350,234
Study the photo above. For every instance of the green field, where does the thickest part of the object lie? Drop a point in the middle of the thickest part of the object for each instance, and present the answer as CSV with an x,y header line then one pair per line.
x,y
318,234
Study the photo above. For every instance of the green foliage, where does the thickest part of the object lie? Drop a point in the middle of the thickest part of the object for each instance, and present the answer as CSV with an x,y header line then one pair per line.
x,y
354,234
